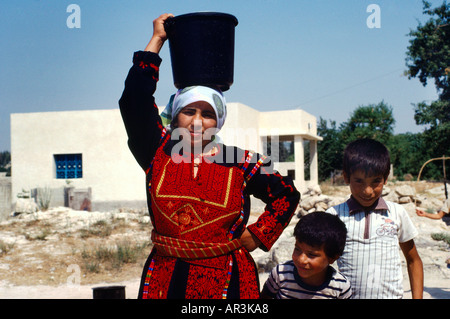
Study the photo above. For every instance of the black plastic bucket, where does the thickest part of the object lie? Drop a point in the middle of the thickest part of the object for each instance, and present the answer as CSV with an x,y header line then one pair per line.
x,y
109,292
202,49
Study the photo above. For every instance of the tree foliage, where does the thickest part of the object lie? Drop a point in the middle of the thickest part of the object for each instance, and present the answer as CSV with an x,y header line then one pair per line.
x,y
407,155
5,160
330,149
372,121
428,57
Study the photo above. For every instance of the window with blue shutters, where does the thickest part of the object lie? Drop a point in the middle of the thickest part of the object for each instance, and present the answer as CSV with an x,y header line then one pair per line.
x,y
68,166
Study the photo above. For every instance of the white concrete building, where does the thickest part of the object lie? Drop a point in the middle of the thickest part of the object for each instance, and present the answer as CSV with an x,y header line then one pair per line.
x,y
88,150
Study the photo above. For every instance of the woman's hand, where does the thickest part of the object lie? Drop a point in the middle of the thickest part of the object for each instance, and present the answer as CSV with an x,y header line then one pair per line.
x,y
159,33
249,241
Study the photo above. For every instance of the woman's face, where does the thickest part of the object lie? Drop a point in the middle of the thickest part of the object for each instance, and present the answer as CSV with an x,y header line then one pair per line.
x,y
199,119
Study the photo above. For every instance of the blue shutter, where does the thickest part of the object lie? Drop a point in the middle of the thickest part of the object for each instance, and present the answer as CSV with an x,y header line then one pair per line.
x,y
68,166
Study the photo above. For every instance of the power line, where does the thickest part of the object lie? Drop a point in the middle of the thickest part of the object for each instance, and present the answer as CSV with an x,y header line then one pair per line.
x,y
348,88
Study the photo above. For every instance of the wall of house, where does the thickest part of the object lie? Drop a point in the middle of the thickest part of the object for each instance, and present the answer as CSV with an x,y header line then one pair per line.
x,y
99,135
242,127
5,196
290,122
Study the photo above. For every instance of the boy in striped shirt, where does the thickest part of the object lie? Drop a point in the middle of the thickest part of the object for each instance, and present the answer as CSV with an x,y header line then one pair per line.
x,y
377,229
320,240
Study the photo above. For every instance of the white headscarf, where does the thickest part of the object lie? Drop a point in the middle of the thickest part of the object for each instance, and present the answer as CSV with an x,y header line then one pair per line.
x,y
193,94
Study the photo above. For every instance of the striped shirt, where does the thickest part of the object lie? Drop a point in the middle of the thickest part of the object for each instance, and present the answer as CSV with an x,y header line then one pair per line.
x,y
285,283
371,258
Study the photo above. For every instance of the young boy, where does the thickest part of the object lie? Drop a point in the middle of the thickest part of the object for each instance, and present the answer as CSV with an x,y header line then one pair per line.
x,y
320,240
376,228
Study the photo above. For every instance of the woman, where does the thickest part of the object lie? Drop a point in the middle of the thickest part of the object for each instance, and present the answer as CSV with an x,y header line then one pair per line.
x,y
198,189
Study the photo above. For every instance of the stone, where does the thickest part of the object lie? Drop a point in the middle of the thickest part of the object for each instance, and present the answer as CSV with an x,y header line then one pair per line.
x,y
25,206
392,197
404,200
440,190
334,201
321,206
386,190
307,202
313,190
405,190
283,248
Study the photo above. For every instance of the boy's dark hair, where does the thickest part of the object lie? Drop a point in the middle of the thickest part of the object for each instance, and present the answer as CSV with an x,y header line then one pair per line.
x,y
320,228
367,155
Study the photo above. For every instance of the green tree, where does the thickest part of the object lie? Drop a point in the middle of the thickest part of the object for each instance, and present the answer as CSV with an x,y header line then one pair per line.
x,y
371,121
406,152
5,158
330,149
437,117
428,57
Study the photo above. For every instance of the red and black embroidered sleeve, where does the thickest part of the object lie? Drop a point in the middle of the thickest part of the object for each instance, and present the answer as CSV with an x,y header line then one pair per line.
x,y
138,108
281,198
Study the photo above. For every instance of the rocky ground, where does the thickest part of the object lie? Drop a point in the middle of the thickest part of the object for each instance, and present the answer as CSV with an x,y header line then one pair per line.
x,y
64,254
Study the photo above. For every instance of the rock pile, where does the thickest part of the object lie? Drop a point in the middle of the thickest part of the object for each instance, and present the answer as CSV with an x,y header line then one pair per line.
x,y
314,200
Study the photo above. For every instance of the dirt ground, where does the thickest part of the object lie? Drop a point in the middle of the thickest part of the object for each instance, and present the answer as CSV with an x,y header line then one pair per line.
x,y
64,254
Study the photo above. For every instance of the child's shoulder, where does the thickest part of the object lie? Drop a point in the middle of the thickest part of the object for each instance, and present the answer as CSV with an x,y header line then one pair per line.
x,y
338,276
337,209
392,204
395,208
284,267
287,265
341,283
343,207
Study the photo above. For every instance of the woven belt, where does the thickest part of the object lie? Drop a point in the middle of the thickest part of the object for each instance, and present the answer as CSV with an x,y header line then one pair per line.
x,y
173,247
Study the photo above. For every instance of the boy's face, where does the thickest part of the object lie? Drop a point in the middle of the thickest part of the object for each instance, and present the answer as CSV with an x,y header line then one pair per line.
x,y
365,189
311,263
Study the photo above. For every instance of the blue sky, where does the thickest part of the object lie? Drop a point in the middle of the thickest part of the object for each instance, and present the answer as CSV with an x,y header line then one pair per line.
x,y
319,56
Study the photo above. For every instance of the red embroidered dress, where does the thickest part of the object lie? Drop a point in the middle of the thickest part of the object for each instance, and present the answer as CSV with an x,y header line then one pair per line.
x,y
198,219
